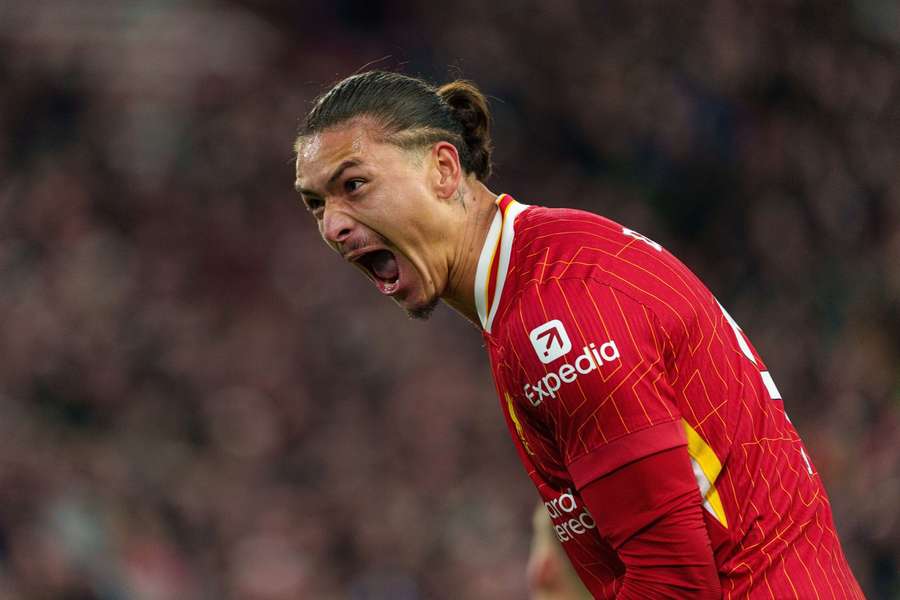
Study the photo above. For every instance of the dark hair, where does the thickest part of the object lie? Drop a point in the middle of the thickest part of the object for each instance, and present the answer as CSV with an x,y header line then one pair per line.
x,y
411,113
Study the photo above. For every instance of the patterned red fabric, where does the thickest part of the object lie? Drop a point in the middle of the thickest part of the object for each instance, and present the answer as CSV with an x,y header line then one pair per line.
x,y
606,349
649,511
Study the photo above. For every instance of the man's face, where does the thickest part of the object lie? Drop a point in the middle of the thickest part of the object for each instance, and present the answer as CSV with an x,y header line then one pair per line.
x,y
374,205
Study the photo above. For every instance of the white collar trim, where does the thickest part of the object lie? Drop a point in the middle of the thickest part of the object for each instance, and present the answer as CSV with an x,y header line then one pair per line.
x,y
497,247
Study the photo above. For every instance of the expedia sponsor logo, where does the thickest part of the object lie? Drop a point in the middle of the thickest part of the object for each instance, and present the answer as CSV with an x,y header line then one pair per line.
x,y
569,519
590,359
550,341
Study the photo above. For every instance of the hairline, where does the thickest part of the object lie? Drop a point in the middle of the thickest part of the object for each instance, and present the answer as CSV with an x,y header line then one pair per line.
x,y
409,139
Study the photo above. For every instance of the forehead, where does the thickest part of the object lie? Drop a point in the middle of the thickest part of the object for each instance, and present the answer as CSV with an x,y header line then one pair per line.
x,y
320,153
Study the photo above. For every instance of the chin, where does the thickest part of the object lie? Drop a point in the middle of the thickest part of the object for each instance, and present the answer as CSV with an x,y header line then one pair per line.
x,y
422,311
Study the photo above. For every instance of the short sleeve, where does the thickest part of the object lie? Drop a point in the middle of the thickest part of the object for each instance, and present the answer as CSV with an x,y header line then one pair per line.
x,y
594,367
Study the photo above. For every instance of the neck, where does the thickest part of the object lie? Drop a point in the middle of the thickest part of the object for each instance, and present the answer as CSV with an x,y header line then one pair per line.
x,y
480,205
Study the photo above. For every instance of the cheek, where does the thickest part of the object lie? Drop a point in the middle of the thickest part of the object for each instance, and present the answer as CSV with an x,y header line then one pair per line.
x,y
407,219
382,214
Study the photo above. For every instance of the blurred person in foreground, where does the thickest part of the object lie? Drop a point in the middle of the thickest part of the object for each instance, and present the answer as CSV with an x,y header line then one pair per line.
x,y
652,429
550,574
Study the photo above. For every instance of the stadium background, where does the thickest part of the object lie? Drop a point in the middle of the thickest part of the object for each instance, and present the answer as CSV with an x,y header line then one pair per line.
x,y
199,400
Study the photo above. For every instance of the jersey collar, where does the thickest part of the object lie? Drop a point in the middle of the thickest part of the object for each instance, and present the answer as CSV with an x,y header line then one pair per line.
x,y
493,264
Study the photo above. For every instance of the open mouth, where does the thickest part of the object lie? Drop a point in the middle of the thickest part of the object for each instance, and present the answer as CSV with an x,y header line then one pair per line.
x,y
381,266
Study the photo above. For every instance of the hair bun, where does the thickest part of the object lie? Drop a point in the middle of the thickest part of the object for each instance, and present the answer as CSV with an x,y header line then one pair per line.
x,y
470,109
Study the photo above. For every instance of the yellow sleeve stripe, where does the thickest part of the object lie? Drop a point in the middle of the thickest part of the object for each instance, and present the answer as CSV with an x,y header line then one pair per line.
x,y
706,467
515,420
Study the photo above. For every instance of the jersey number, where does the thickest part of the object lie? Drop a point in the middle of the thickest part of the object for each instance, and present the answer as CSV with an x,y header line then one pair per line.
x,y
765,375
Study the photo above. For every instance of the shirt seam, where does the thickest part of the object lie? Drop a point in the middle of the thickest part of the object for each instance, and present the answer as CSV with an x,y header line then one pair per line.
x,y
617,438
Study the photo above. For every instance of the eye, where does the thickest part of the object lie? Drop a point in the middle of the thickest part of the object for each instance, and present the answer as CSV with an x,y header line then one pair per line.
x,y
352,185
314,205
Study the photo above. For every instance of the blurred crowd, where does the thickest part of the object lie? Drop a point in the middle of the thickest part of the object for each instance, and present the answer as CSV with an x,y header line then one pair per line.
x,y
198,400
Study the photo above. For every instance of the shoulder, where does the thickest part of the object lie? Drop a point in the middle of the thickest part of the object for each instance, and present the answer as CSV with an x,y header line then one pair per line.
x,y
541,227
555,245
558,243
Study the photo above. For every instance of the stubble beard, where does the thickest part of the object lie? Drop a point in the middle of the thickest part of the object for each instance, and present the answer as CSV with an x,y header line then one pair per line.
x,y
423,312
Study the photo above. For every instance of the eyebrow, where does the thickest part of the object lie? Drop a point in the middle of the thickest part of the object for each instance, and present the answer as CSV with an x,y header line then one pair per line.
x,y
334,176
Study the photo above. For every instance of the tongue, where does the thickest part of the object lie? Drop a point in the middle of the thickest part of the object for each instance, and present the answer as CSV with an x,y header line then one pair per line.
x,y
384,265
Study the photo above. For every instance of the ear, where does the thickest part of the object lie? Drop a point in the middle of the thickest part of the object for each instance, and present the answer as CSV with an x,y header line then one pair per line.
x,y
447,170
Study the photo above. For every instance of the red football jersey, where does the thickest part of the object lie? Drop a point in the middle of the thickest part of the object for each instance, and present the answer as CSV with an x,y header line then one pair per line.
x,y
606,349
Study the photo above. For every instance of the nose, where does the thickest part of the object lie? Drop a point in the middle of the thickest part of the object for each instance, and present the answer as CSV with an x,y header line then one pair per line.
x,y
336,225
